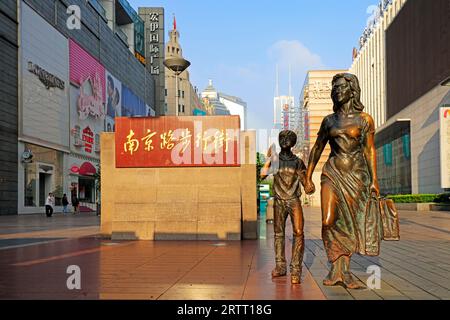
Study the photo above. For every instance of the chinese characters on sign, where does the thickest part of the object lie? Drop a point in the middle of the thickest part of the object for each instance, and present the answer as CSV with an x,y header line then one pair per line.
x,y
319,90
88,138
377,14
173,141
216,141
154,43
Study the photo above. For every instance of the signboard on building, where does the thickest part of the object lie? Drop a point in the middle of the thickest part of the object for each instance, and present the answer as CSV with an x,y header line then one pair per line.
x,y
444,119
48,79
210,141
154,51
155,19
320,89
88,92
44,114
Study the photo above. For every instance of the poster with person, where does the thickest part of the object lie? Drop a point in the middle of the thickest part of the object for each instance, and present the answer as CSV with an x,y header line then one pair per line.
x,y
113,96
132,105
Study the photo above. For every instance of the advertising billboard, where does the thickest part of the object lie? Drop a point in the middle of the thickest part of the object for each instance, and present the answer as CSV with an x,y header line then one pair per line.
x,y
113,90
87,101
132,105
139,45
44,79
86,70
84,131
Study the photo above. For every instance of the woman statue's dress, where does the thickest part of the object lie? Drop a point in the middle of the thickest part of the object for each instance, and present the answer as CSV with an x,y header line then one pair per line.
x,y
346,175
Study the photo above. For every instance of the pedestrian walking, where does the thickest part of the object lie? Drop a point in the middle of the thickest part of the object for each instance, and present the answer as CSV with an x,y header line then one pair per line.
x,y
49,203
75,204
65,203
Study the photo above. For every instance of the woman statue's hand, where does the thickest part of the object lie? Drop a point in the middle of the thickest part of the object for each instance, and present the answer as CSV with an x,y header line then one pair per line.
x,y
310,188
375,188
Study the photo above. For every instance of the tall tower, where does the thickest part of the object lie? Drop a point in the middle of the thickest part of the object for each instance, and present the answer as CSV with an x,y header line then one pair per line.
x,y
282,106
186,91
277,104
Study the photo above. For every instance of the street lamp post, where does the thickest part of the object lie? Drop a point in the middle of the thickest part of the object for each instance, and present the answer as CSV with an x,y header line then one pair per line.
x,y
177,65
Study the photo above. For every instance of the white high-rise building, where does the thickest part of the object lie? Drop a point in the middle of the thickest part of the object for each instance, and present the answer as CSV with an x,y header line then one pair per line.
x,y
283,106
236,106
285,114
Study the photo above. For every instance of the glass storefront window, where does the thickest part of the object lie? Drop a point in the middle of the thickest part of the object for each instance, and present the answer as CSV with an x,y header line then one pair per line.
x,y
30,185
406,146
86,190
394,167
387,152
43,175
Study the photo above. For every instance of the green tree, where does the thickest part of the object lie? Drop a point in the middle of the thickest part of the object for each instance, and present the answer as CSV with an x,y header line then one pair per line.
x,y
259,166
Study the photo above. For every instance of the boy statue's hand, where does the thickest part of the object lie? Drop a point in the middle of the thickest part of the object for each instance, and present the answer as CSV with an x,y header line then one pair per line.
x,y
272,151
310,188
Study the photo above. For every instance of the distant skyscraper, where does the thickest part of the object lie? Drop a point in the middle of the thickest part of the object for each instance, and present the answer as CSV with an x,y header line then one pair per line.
x,y
285,115
212,96
236,106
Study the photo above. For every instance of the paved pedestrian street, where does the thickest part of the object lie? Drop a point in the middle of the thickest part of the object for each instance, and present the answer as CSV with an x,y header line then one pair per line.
x,y
35,253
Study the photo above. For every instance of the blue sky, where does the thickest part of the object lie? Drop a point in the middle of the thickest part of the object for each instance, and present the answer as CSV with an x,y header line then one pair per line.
x,y
237,43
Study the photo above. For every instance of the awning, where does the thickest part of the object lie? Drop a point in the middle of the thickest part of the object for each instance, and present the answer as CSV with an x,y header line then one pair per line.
x,y
87,169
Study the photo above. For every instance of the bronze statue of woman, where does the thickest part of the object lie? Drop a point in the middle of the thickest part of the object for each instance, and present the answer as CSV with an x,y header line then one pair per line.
x,y
349,178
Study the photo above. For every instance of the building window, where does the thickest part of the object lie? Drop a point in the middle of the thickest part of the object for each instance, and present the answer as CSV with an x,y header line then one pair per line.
x,y
387,153
406,143
182,94
182,110
178,92
165,92
179,108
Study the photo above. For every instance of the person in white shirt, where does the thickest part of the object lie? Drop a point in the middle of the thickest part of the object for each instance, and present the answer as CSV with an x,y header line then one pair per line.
x,y
49,203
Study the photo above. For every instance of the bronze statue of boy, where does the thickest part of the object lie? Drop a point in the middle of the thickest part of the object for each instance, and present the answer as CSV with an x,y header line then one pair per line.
x,y
289,172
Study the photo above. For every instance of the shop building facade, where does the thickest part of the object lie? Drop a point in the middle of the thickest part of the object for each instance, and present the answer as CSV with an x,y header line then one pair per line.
x,y
369,61
413,143
73,84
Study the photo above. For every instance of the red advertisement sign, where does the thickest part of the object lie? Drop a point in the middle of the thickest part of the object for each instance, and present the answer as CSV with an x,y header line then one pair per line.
x,y
88,138
177,142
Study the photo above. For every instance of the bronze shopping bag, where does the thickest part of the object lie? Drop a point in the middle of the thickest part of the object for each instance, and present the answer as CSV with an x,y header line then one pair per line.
x,y
373,234
390,220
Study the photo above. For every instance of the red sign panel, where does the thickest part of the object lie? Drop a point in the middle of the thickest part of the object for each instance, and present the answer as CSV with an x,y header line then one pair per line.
x,y
88,138
177,142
